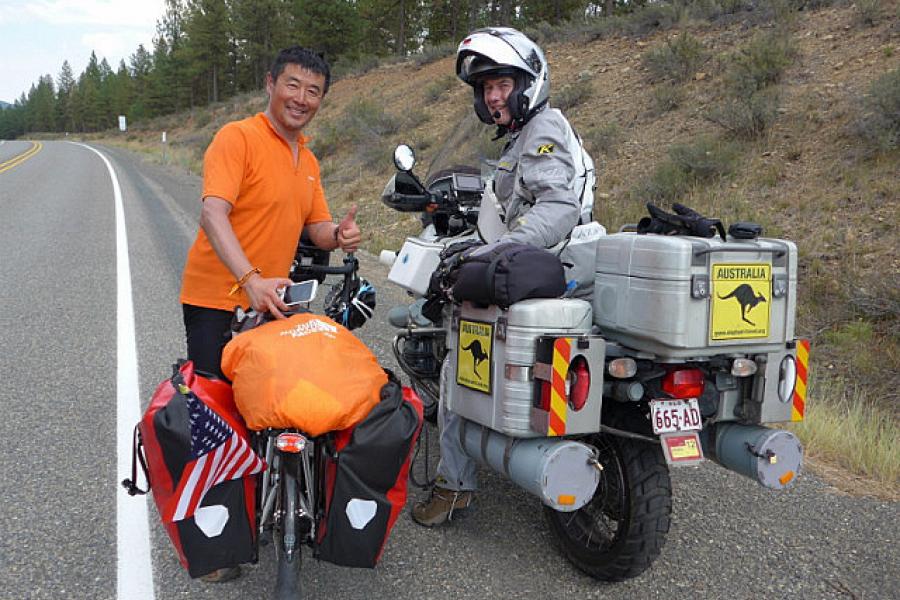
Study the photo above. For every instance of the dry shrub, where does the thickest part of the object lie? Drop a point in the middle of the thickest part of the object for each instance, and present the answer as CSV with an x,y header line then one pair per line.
x,y
879,123
677,60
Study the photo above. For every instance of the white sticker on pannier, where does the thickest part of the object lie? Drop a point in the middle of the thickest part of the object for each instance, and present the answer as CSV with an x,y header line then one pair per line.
x,y
360,512
211,519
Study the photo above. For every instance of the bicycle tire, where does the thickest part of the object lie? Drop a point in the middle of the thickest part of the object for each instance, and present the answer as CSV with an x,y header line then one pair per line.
x,y
287,583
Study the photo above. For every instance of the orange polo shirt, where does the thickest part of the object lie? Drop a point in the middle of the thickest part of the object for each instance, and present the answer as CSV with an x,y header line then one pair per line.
x,y
249,165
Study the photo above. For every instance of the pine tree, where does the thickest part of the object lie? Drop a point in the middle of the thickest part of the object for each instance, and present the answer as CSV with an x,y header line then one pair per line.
x,y
141,66
335,28
208,46
65,88
42,109
261,28
121,92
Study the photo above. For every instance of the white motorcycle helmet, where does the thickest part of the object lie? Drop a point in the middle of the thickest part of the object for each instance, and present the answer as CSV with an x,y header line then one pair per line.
x,y
504,51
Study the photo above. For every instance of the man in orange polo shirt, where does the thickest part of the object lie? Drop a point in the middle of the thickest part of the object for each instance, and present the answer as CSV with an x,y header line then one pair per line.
x,y
261,187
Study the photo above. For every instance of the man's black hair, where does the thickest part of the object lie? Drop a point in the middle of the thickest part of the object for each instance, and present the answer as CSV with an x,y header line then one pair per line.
x,y
304,57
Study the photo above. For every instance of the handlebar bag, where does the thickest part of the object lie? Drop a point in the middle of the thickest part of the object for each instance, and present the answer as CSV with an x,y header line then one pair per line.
x,y
220,529
366,477
505,273
304,372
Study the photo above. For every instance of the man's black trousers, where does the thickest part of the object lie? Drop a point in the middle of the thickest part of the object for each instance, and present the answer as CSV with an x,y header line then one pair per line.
x,y
207,330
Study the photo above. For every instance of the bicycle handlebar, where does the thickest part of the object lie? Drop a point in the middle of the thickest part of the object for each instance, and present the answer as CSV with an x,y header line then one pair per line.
x,y
351,266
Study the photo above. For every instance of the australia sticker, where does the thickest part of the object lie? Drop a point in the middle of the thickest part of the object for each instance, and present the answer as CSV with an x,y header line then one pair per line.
x,y
473,356
741,299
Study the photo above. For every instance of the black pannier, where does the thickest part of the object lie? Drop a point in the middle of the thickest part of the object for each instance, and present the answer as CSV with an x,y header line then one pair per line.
x,y
366,479
503,274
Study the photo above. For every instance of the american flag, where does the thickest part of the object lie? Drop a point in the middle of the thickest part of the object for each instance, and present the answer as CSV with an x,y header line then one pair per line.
x,y
218,454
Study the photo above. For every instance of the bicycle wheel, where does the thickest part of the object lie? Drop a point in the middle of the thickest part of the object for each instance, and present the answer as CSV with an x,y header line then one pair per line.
x,y
287,542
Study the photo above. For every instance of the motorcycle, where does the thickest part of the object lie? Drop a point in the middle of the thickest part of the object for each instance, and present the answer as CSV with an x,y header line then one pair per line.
x,y
683,352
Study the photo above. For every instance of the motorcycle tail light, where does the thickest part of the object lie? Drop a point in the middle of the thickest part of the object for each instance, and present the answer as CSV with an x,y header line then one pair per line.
x,y
580,383
684,383
290,442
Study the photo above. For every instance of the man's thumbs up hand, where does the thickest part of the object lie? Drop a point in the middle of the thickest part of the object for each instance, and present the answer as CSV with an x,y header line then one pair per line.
x,y
348,234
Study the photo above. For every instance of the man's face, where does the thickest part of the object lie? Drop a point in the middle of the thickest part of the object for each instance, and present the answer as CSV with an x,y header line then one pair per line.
x,y
294,98
496,92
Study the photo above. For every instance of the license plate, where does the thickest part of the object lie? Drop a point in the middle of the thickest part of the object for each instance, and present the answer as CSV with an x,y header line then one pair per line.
x,y
682,448
668,416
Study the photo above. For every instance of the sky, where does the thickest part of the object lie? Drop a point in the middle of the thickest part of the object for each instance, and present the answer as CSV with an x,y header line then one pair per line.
x,y
36,36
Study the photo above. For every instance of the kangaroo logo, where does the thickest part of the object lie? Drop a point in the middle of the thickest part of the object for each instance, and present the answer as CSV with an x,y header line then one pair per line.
x,y
747,298
478,355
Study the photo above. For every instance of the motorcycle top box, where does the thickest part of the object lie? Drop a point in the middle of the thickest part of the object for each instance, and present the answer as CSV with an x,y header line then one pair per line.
x,y
681,297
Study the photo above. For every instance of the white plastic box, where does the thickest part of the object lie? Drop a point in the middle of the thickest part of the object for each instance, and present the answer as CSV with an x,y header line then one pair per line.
x,y
683,297
414,265
504,400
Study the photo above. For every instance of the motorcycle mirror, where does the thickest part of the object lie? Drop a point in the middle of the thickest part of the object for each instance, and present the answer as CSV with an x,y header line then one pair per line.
x,y
404,158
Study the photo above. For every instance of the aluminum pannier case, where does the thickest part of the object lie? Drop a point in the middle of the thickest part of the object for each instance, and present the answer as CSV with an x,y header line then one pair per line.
x,y
684,297
500,360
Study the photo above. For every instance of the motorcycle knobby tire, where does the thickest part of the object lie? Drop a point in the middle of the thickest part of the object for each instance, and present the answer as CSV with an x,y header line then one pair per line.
x,y
622,530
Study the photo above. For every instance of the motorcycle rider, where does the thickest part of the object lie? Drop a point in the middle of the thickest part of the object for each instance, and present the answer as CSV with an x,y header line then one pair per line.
x,y
538,184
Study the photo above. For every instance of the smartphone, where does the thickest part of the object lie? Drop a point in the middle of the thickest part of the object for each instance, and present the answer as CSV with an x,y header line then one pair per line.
x,y
300,293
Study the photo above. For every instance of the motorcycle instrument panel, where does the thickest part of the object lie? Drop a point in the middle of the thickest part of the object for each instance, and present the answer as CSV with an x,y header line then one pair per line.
x,y
473,358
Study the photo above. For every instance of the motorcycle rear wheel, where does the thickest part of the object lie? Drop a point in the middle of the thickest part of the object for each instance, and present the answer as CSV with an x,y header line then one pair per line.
x,y
621,531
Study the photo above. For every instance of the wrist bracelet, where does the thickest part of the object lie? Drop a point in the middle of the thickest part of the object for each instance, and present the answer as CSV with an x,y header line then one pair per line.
x,y
240,282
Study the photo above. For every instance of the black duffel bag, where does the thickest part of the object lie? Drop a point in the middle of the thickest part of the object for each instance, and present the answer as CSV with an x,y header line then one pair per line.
x,y
503,274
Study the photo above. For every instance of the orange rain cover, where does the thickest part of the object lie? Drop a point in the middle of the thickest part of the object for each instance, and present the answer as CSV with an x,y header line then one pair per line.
x,y
305,372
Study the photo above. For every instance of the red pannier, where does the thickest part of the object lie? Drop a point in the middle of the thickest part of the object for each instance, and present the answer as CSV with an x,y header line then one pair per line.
x,y
222,527
366,479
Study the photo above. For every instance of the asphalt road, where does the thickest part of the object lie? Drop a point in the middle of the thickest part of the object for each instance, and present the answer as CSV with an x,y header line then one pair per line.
x,y
729,539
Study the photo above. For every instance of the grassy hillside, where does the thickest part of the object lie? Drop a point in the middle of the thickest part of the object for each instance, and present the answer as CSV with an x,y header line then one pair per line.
x,y
786,119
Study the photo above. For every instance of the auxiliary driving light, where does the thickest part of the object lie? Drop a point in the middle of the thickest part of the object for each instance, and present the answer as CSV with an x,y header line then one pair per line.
x,y
290,442
787,379
622,368
743,367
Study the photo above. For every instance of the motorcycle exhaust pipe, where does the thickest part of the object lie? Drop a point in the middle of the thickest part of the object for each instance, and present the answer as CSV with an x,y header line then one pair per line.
x,y
771,457
563,473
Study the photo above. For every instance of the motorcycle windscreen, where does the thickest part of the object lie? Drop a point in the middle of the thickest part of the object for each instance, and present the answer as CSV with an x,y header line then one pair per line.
x,y
490,225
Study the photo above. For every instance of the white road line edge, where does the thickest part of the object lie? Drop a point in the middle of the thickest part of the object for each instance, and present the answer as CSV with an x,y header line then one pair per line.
x,y
134,570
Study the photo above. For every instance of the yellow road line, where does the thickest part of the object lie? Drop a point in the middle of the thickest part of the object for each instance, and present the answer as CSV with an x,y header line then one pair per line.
x,y
18,160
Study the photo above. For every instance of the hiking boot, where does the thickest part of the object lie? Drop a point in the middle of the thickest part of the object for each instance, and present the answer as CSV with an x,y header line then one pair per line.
x,y
222,575
440,506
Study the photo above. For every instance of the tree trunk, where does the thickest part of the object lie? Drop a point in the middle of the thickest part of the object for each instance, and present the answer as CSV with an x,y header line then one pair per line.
x,y
401,30
505,12
608,8
215,83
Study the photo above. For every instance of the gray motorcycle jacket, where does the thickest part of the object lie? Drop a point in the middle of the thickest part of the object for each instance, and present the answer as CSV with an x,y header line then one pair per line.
x,y
535,181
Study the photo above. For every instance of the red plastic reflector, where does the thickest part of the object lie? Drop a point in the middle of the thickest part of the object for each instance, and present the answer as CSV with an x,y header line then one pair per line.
x,y
684,383
580,383
290,442
545,396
